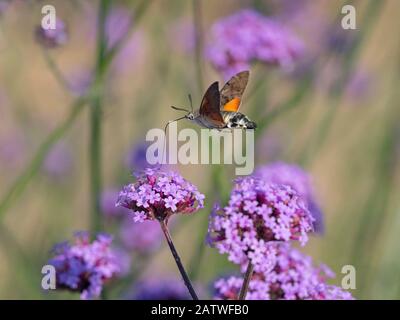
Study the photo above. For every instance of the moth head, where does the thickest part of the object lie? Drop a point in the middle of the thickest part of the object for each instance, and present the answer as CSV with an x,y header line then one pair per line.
x,y
190,116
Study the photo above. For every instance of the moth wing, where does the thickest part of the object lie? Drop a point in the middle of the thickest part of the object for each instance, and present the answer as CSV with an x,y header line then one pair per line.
x,y
210,105
232,91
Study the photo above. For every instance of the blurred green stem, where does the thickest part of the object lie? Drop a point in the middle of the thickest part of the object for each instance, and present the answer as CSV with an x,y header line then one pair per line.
x,y
20,184
298,95
95,159
58,75
197,23
348,63
135,18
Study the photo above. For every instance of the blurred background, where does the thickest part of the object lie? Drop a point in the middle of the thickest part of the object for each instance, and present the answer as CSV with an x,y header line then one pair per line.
x,y
74,119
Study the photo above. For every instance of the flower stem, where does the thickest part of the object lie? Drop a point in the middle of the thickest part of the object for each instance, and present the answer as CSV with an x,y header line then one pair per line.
x,y
197,23
175,254
246,281
96,117
20,184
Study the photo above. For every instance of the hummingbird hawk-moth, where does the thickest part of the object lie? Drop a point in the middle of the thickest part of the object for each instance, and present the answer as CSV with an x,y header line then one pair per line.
x,y
219,109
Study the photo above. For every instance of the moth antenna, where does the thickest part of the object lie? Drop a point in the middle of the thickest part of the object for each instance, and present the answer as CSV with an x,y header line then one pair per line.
x,y
191,102
165,135
179,109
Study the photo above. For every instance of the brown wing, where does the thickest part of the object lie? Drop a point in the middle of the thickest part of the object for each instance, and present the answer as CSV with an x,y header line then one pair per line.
x,y
209,107
232,91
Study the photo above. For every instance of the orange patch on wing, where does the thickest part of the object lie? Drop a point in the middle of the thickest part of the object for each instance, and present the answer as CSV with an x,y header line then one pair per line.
x,y
232,105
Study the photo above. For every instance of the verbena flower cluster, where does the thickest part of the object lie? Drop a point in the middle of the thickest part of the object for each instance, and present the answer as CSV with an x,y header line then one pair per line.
x,y
158,195
248,36
85,266
257,216
294,277
299,180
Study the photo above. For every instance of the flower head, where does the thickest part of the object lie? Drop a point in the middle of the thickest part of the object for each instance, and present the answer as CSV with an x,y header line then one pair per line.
x,y
248,36
52,38
294,277
85,266
299,180
158,195
257,217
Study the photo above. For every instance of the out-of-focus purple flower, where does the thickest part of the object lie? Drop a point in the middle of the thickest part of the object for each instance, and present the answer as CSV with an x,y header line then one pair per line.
x,y
359,85
52,38
117,25
246,37
135,159
158,195
79,82
339,40
294,277
130,53
108,199
58,162
123,259
257,217
85,266
160,289
4,4
299,180
270,146
144,237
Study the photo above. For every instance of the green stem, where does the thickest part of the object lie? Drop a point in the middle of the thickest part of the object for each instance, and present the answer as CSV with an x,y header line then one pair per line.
x,y
20,184
299,94
58,75
349,61
197,23
95,160
138,13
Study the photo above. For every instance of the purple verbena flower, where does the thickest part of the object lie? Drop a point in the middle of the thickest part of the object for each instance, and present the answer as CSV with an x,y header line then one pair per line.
x,y
246,37
79,82
359,85
4,4
135,159
58,161
143,238
85,266
107,204
299,180
52,38
294,277
117,25
257,217
158,195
